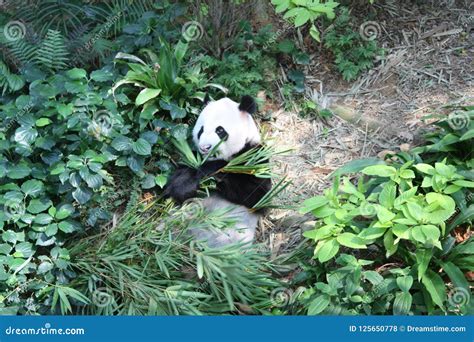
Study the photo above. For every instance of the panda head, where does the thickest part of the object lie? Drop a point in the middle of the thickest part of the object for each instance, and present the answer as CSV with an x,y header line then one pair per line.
x,y
228,121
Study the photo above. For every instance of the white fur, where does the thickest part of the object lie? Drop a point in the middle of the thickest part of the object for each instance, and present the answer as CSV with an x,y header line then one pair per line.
x,y
243,229
239,125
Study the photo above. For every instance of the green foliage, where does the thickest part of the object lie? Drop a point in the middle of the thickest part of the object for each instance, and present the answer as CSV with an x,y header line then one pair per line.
x,y
401,215
301,12
352,54
247,68
52,53
139,268
9,82
453,139
59,144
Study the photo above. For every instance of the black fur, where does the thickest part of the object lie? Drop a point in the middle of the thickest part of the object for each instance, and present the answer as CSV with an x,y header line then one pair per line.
x,y
207,98
247,104
237,188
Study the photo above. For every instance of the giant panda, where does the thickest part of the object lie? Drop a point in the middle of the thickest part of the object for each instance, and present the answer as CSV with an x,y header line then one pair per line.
x,y
229,126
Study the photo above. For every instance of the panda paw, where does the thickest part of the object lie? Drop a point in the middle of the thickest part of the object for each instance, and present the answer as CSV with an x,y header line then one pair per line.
x,y
183,184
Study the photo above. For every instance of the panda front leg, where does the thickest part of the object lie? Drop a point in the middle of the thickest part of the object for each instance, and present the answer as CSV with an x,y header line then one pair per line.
x,y
184,182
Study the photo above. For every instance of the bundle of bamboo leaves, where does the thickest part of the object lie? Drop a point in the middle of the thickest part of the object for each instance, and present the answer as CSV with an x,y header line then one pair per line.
x,y
255,161
143,268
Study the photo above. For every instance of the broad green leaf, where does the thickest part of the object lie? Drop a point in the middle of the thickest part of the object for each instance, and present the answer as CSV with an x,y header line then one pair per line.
x,y
374,277
356,166
82,194
351,240
425,168
37,206
41,122
161,180
43,219
146,95
313,203
142,147
66,226
302,18
32,187
468,135
328,250
122,143
372,233
380,171
383,214
405,283
389,244
318,304
18,171
402,303
25,249
314,32
456,275
388,194
464,183
76,73
423,257
435,286
64,211
319,233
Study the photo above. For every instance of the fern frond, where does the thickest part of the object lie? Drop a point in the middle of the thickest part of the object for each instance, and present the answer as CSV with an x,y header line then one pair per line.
x,y
52,53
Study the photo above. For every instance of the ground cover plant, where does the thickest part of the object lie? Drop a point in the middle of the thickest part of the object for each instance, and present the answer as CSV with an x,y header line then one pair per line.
x,y
385,243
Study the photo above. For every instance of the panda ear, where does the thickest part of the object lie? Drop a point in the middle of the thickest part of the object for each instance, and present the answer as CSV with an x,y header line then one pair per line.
x,y
247,104
206,100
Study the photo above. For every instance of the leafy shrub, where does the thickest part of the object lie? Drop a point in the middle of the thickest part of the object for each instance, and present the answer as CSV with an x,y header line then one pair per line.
x,y
248,67
401,216
60,149
352,54
306,11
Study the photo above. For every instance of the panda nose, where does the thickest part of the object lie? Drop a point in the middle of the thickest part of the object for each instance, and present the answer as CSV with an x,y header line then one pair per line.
x,y
205,148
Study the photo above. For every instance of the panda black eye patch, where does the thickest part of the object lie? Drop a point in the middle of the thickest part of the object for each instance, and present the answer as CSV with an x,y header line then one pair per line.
x,y
221,132
200,131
